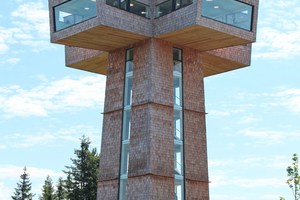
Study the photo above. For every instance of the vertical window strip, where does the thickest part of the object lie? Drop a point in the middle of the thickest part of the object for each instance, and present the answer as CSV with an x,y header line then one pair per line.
x,y
127,99
178,124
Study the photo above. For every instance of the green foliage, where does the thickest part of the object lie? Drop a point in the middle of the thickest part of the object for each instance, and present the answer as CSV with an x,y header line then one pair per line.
x,y
293,178
22,192
81,182
60,189
48,190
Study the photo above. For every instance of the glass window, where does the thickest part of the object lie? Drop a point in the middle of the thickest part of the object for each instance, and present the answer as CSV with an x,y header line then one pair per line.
x,y
164,8
230,12
177,66
129,54
186,3
139,8
178,158
131,6
177,90
177,54
128,90
123,189
177,124
171,5
74,12
126,124
179,191
125,158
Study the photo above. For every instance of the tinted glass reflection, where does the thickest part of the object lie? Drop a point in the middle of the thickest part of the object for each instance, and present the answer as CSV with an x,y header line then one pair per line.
x,y
230,12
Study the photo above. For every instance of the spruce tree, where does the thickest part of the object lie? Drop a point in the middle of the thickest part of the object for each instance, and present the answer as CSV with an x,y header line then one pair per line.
x,y
60,191
48,190
82,177
22,192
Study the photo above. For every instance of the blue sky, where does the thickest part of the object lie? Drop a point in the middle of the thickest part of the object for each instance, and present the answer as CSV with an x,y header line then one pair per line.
x,y
253,113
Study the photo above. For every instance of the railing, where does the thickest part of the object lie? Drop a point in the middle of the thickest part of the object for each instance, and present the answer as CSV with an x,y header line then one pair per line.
x,y
231,12
73,12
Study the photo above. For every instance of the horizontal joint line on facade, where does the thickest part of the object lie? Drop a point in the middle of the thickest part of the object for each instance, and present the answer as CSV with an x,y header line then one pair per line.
x,y
111,111
189,179
151,174
98,181
151,102
195,111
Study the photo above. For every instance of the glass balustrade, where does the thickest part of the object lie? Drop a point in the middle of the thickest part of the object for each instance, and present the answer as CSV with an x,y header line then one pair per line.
x,y
73,12
231,12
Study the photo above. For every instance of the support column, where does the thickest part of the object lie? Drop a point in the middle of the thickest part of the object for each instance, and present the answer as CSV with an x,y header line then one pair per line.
x,y
151,166
112,127
195,149
151,152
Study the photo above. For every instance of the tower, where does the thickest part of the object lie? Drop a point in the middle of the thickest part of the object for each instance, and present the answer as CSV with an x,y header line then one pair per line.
x,y
155,55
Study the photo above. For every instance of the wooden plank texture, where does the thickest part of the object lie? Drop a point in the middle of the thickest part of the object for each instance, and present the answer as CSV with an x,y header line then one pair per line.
x,y
202,38
102,38
97,64
215,64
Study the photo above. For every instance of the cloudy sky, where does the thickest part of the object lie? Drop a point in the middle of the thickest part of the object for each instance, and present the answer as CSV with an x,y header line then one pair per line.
x,y
253,125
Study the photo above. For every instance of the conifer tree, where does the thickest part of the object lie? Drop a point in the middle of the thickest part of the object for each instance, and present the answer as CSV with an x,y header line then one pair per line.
x,y
48,190
22,192
60,191
82,177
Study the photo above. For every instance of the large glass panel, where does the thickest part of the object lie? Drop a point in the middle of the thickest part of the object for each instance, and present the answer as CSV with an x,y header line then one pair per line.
x,y
177,124
186,2
177,4
126,124
131,6
74,12
115,3
178,159
164,8
139,8
123,189
128,90
177,89
179,190
124,158
229,11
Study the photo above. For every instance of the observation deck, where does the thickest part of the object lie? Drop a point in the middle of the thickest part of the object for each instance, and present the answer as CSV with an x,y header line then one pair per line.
x,y
211,26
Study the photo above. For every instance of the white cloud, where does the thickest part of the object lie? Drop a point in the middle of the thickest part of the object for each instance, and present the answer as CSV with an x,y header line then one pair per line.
x,y
51,138
276,43
269,137
14,172
247,120
5,192
3,48
268,162
220,179
57,96
12,61
289,98
34,13
31,28
278,34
